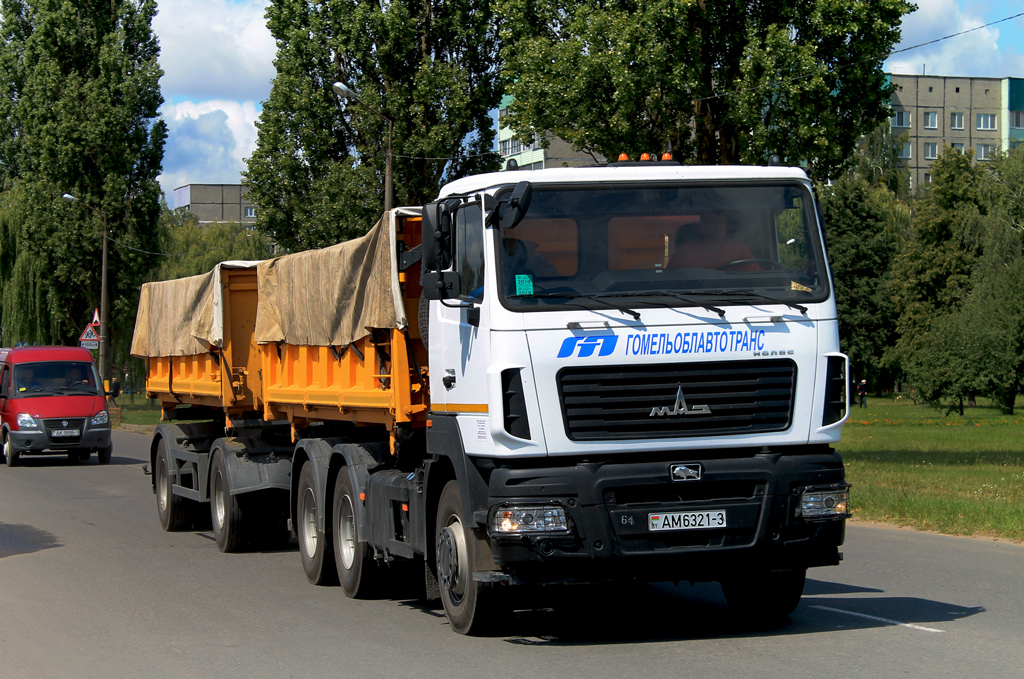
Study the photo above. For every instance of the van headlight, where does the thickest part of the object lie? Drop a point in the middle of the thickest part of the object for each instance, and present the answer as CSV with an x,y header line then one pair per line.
x,y
816,503
99,419
26,422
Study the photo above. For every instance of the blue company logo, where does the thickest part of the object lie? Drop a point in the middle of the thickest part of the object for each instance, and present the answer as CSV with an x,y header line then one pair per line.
x,y
587,345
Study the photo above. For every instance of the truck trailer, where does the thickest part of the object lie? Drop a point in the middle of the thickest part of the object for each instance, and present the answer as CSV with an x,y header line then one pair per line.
x,y
575,375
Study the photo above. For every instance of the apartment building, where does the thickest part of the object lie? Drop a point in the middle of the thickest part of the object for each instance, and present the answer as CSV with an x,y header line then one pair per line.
x,y
216,202
983,114
533,156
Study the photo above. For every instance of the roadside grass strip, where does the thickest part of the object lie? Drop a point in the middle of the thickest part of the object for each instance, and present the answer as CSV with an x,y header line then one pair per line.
x,y
913,466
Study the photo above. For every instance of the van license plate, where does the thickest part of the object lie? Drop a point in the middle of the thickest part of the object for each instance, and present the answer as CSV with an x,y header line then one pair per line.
x,y
65,432
686,520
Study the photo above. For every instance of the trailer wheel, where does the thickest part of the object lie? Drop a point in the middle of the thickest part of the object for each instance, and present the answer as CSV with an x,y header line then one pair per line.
x,y
225,514
170,507
765,597
315,546
357,571
472,607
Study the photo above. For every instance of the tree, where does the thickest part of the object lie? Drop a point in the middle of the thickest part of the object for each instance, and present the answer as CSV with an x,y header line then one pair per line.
x,y
79,99
721,82
190,248
317,173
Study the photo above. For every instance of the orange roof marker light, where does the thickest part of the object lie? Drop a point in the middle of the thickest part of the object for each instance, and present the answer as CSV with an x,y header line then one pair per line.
x,y
623,157
667,155
645,156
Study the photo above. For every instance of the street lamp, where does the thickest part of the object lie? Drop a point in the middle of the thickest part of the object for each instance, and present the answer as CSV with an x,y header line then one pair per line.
x,y
342,90
104,362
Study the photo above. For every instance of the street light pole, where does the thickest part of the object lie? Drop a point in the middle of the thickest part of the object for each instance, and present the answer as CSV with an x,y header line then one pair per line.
x,y
342,90
104,304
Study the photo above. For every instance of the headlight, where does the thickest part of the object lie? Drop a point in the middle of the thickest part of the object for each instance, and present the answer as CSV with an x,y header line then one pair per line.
x,y
541,519
824,504
99,418
26,421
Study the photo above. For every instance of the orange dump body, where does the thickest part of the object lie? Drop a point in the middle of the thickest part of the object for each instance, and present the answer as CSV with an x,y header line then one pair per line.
x,y
380,379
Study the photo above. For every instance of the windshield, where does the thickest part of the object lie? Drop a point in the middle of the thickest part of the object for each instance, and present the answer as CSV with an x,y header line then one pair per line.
x,y
50,377
681,245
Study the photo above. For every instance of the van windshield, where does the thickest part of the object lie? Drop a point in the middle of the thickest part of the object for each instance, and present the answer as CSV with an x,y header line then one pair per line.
x,y
50,377
631,245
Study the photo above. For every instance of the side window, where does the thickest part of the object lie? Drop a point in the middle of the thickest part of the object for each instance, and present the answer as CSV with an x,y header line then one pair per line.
x,y
5,381
469,251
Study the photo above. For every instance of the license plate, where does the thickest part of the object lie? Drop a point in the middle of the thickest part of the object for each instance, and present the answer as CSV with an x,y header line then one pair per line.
x,y
686,520
64,432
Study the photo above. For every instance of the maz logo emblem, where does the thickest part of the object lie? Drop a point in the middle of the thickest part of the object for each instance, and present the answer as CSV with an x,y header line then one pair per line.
x,y
685,472
680,408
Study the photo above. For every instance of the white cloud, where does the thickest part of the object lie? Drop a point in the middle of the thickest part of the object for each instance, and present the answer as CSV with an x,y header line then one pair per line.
x,y
987,52
207,142
214,49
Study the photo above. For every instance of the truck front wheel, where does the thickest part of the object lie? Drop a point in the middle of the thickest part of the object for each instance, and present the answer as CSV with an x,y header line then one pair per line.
x,y
356,567
471,606
225,514
314,546
763,596
170,507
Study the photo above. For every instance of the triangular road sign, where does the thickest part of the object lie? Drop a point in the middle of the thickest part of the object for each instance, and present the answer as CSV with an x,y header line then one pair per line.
x,y
95,317
89,334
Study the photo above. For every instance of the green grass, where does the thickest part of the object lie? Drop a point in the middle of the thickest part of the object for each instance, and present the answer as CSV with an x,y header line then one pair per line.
x,y
138,411
913,465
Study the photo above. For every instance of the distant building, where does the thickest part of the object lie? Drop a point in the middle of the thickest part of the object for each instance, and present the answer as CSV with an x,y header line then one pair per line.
x,y
216,202
984,114
559,153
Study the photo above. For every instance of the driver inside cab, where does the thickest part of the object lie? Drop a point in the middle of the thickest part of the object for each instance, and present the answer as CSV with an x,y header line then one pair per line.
x,y
710,247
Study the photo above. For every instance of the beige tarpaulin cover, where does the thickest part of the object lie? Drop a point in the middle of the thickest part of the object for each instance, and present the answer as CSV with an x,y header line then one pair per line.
x,y
182,317
331,296
316,298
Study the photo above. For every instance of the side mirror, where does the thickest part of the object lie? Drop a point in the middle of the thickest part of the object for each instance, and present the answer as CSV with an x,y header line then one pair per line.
x,y
518,204
441,284
115,389
437,232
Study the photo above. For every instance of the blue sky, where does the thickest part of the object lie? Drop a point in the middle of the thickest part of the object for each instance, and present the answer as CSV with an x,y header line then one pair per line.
x,y
217,57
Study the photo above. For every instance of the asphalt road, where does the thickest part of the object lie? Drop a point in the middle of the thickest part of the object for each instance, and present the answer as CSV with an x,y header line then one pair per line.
x,y
91,587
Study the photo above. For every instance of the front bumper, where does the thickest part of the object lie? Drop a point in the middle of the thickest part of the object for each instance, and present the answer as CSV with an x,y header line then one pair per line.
x,y
39,442
608,505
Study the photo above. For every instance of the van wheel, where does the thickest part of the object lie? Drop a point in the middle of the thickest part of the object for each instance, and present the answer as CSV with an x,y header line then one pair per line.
x,y
315,546
225,514
102,455
83,455
73,456
170,507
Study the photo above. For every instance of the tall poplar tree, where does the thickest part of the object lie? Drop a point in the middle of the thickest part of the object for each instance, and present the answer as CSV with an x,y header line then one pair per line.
x,y
317,174
79,99
722,82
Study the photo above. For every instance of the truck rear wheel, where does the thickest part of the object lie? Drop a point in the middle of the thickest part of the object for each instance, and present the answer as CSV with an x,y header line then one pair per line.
x,y
225,514
357,571
764,596
315,546
170,507
471,606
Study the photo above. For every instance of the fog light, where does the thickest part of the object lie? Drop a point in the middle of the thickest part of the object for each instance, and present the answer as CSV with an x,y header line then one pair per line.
x,y
824,504
541,519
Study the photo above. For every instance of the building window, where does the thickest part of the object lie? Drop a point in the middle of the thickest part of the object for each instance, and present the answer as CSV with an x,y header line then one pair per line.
x,y
956,121
957,147
250,212
931,151
931,120
986,121
986,151
1017,119
904,151
1015,144
901,119
927,178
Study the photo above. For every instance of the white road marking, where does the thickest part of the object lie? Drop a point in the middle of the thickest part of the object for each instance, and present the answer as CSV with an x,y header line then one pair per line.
x,y
877,619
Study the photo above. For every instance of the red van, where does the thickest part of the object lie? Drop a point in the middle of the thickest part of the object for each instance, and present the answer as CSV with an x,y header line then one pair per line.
x,y
52,400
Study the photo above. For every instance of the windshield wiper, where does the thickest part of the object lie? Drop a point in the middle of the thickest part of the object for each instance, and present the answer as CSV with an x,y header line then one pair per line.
x,y
750,293
668,293
594,296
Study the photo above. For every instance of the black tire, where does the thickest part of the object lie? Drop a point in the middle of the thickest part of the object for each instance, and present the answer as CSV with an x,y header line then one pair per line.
x,y
357,570
472,607
10,454
171,508
315,546
103,454
225,513
765,597
83,455
73,456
